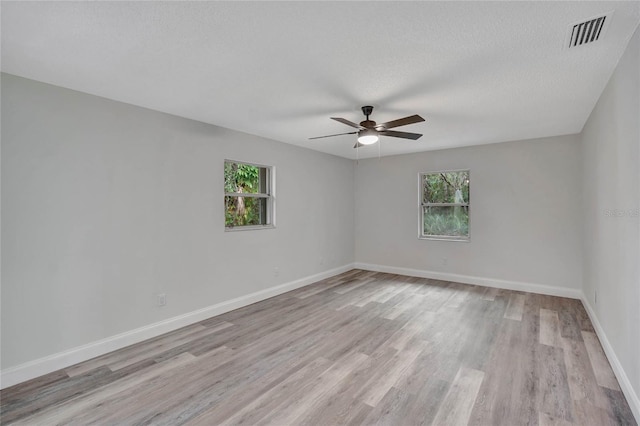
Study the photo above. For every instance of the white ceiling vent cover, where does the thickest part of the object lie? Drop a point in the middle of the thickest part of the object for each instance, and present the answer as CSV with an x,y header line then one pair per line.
x,y
587,31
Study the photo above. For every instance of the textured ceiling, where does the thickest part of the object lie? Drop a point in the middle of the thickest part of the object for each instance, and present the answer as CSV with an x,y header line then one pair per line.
x,y
479,72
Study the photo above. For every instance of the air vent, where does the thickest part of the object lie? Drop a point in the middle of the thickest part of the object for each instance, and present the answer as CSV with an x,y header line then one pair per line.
x,y
588,31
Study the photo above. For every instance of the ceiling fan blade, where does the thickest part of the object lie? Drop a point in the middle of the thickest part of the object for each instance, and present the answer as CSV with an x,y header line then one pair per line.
x,y
404,135
400,122
330,136
347,122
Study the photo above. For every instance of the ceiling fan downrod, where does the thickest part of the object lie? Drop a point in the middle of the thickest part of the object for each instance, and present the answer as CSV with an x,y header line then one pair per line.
x,y
367,110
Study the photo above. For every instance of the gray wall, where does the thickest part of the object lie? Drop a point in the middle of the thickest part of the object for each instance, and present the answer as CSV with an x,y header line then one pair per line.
x,y
611,177
524,214
106,204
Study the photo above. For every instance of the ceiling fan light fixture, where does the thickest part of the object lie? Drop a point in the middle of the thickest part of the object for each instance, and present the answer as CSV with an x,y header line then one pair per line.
x,y
367,136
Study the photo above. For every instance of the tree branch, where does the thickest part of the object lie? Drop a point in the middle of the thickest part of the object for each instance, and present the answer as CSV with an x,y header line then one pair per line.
x,y
446,180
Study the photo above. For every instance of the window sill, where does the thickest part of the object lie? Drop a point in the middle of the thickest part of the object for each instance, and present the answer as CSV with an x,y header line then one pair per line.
x,y
247,228
437,238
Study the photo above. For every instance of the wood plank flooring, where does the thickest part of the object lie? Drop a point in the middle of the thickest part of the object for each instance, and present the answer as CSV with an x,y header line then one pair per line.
x,y
357,348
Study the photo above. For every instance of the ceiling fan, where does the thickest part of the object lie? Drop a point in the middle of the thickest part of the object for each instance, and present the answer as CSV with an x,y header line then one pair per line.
x,y
369,131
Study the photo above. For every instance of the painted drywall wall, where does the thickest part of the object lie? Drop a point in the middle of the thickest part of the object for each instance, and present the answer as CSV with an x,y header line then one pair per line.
x,y
524,213
106,205
611,178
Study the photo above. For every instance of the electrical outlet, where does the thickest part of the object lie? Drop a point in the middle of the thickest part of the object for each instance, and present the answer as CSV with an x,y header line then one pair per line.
x,y
162,299
276,271
595,297
322,260
445,261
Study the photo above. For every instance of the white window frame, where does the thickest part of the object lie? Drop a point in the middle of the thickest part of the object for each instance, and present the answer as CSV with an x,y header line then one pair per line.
x,y
422,204
269,195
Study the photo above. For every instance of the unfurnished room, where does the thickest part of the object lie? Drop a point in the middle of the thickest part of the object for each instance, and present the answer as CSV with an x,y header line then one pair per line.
x,y
320,213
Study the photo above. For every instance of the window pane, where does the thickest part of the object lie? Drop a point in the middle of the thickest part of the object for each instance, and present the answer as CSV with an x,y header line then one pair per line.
x,y
450,221
446,187
244,211
244,178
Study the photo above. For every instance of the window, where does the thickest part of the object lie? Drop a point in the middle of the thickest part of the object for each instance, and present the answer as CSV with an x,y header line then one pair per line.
x,y
248,196
444,205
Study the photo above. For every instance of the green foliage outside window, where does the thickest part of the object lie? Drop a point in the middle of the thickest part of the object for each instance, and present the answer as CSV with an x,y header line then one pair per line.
x,y
446,221
242,178
445,204
442,187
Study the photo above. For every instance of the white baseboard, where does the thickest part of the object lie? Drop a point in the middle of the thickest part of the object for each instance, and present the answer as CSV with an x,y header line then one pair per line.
x,y
467,279
623,379
48,364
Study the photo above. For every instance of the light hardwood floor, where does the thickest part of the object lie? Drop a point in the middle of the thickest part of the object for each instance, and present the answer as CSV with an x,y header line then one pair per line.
x,y
358,348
